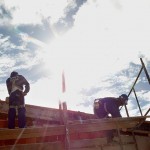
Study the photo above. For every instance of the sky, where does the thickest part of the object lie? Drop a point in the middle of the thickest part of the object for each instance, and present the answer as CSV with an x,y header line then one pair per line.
x,y
96,43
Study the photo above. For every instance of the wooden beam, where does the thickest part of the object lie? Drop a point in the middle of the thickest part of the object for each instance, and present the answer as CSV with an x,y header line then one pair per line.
x,y
88,143
98,143
137,118
85,126
143,132
104,124
45,113
37,146
31,132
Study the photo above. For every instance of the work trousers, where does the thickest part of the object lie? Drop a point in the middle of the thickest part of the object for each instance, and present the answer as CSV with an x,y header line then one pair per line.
x,y
21,117
16,103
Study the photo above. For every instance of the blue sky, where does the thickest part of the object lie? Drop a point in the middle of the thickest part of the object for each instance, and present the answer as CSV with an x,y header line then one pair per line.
x,y
97,43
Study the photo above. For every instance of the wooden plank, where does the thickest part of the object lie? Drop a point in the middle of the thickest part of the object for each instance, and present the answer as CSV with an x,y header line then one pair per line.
x,y
98,142
108,147
35,112
117,147
42,112
125,139
73,128
103,125
60,146
37,146
89,148
31,132
140,131
88,143
45,113
138,118
3,123
143,142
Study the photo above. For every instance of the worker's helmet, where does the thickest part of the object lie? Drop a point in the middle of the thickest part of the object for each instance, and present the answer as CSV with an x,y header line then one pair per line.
x,y
124,98
13,74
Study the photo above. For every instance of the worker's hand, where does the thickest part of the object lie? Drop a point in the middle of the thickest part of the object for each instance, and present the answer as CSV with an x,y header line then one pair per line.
x,y
24,94
7,100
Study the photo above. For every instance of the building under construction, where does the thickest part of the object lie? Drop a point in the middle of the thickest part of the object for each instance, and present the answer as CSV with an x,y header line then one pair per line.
x,y
62,129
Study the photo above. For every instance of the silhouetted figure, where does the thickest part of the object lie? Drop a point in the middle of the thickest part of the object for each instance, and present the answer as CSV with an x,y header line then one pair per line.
x,y
17,87
103,107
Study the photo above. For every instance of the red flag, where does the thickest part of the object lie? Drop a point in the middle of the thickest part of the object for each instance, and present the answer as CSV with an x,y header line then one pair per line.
x,y
63,83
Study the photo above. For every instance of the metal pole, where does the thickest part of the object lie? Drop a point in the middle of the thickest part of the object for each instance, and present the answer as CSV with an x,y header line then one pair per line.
x,y
135,81
133,88
147,112
137,102
147,75
126,110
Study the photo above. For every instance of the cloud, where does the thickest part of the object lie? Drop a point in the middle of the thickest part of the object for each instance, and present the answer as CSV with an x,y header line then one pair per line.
x,y
67,21
31,11
10,31
41,32
3,91
4,13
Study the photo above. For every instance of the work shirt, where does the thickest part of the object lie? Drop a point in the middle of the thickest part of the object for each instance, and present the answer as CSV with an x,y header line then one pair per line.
x,y
16,86
17,83
107,105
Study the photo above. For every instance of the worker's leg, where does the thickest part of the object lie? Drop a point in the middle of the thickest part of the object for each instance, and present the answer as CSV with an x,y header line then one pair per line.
x,y
12,111
11,118
22,117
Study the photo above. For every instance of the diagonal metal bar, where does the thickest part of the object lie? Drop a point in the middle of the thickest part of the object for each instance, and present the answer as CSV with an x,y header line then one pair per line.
x,y
135,81
147,112
137,101
147,75
126,110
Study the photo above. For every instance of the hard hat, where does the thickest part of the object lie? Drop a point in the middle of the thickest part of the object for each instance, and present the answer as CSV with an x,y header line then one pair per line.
x,y
124,96
13,74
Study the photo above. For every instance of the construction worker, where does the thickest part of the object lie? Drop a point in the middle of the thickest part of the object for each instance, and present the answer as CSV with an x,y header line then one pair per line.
x,y
104,107
17,87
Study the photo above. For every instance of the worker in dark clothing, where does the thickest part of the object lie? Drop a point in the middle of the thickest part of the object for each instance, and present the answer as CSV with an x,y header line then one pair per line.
x,y
109,105
103,107
17,87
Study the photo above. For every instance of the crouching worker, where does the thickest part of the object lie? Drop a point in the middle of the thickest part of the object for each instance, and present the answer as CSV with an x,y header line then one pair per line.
x,y
103,107
17,87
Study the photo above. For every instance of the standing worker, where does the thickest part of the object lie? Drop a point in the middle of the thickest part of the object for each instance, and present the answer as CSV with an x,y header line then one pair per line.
x,y
17,87
103,107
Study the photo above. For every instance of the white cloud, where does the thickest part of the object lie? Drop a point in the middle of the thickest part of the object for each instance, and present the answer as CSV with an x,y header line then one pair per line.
x,y
45,92
3,91
31,11
6,62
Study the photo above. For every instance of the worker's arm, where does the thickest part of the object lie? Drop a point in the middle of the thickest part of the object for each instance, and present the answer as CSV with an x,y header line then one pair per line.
x,y
23,84
113,109
27,85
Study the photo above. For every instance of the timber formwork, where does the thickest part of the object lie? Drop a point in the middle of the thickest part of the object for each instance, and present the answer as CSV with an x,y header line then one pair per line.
x,y
132,133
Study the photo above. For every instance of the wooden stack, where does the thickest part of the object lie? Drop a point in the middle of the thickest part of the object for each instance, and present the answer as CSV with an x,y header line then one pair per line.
x,y
65,133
